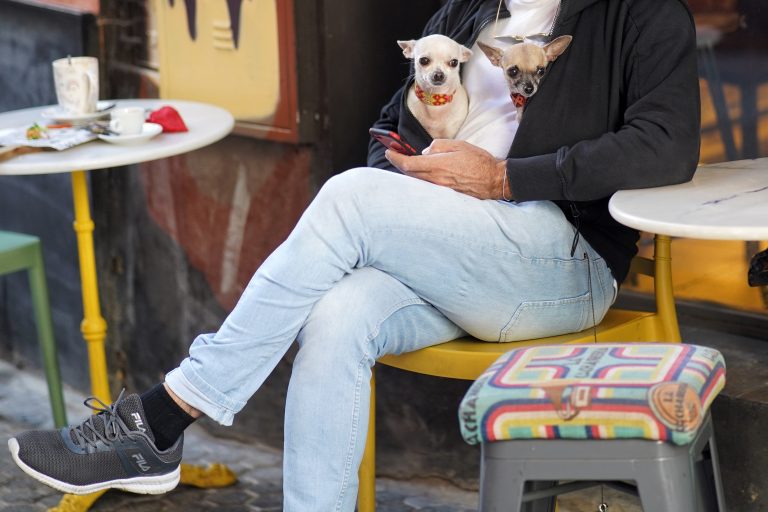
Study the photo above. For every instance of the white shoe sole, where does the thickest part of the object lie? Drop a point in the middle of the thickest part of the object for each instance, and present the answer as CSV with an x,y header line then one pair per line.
x,y
141,484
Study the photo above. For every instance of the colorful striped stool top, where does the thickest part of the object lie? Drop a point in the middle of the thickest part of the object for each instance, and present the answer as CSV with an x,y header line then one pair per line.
x,y
658,391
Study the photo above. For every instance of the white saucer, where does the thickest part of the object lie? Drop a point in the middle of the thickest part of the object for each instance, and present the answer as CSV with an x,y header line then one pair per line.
x,y
60,114
147,132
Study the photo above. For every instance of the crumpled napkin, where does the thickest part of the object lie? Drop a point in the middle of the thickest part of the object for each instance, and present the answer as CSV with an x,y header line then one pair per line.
x,y
169,119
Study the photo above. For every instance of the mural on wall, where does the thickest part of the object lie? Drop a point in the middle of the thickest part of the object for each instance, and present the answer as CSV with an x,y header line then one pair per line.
x,y
228,206
238,54
233,6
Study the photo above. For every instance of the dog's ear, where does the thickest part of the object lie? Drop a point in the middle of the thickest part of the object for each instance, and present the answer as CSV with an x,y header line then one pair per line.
x,y
493,53
556,47
466,53
407,47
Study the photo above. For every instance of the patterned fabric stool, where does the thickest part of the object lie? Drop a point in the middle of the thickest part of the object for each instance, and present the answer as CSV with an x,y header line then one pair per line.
x,y
607,412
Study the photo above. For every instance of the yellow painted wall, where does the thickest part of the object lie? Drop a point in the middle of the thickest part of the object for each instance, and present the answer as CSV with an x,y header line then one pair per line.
x,y
244,80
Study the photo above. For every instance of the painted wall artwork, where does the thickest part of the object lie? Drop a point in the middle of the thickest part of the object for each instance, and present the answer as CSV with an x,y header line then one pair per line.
x,y
238,54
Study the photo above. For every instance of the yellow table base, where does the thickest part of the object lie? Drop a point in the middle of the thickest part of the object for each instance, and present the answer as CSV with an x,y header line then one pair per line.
x,y
94,329
93,326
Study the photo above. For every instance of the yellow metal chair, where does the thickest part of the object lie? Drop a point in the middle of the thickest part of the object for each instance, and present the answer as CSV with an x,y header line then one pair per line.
x,y
467,358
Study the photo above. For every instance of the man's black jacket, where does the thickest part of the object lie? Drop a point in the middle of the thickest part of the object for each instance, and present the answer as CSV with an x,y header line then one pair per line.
x,y
618,110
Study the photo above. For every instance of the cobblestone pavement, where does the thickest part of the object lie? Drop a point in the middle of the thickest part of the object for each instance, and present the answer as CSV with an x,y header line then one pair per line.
x,y
24,405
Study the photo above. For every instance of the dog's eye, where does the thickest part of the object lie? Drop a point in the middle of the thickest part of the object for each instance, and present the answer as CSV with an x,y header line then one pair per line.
x,y
424,61
540,71
513,71
453,63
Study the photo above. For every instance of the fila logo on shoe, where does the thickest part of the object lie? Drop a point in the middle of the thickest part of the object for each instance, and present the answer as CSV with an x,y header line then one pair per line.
x,y
141,462
137,421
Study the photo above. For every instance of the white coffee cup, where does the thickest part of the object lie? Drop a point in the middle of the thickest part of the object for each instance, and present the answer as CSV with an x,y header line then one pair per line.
x,y
127,120
76,80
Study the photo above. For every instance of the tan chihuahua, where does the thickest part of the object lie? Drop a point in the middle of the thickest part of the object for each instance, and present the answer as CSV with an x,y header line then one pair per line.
x,y
524,65
437,99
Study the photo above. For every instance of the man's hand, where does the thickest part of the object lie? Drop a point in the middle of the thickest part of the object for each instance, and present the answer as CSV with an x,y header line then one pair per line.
x,y
459,165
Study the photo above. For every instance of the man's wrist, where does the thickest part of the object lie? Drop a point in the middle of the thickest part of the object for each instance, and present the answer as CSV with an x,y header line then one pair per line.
x,y
506,191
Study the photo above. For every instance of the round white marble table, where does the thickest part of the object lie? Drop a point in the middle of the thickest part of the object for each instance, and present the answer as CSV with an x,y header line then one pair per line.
x,y
726,201
206,123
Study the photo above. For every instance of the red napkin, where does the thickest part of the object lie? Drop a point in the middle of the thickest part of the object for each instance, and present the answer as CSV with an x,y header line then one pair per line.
x,y
169,119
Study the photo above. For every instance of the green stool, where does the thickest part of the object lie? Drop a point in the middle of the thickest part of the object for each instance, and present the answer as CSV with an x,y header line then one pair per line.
x,y
23,252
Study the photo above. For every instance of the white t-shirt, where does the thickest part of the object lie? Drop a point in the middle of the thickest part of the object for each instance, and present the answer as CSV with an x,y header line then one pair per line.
x,y
491,122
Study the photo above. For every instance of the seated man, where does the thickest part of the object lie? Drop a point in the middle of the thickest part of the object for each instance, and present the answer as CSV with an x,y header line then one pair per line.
x,y
503,234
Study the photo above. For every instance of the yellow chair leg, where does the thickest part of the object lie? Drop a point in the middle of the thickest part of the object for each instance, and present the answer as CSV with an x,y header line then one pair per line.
x,y
93,326
366,493
665,299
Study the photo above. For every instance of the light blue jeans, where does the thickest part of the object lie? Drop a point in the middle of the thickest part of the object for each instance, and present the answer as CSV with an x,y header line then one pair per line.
x,y
382,263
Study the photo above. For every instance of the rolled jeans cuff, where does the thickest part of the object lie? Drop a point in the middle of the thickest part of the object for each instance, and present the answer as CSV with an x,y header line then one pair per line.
x,y
186,385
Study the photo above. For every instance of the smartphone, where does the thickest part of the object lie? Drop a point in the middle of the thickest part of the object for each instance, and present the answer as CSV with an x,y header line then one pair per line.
x,y
392,141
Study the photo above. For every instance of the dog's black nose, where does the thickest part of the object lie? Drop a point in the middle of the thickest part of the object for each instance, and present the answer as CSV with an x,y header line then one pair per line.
x,y
528,88
438,77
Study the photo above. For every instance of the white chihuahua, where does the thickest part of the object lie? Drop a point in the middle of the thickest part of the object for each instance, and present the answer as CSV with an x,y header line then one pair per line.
x,y
437,99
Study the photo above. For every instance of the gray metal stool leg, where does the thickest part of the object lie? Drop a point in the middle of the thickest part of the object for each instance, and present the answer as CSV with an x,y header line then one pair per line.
x,y
510,495
502,482
539,505
715,465
669,478
666,485
711,494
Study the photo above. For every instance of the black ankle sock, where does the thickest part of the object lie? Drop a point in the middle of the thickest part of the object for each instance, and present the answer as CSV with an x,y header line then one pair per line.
x,y
166,419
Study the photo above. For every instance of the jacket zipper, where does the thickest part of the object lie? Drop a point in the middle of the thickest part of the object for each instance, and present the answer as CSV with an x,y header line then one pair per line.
x,y
576,215
484,24
473,37
490,18
557,17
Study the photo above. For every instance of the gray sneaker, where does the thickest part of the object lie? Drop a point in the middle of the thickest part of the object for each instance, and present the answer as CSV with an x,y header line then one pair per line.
x,y
114,449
